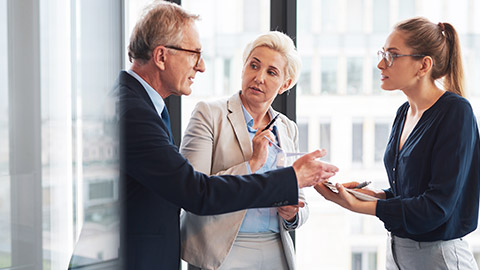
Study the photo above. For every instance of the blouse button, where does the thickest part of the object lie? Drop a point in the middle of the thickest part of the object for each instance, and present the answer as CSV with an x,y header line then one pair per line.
x,y
393,181
393,169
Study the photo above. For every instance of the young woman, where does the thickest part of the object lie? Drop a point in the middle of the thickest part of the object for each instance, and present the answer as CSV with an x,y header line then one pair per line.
x,y
230,137
432,156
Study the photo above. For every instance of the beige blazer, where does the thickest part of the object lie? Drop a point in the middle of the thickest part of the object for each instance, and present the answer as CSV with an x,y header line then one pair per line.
x,y
216,142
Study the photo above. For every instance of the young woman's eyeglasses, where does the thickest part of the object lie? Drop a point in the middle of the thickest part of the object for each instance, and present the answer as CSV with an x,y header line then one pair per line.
x,y
197,53
388,56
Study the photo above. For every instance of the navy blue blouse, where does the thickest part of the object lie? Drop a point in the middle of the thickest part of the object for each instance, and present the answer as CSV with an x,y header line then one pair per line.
x,y
434,179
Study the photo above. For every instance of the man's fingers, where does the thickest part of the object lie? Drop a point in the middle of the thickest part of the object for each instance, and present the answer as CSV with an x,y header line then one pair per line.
x,y
316,154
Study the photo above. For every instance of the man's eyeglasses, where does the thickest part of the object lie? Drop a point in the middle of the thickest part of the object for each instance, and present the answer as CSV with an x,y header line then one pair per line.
x,y
197,53
388,56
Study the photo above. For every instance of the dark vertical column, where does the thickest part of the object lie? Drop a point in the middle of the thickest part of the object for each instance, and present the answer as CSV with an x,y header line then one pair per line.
x,y
283,18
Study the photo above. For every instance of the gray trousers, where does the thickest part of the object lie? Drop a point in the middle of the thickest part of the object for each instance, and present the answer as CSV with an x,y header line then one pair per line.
x,y
405,254
262,251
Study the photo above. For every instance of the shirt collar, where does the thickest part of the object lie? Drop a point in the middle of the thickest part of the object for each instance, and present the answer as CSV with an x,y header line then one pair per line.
x,y
157,100
249,119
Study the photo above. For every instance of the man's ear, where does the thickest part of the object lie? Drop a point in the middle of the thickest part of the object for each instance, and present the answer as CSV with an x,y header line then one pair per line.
x,y
426,66
285,86
159,56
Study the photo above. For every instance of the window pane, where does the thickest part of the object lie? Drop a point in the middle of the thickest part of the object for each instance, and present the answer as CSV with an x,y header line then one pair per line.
x,y
304,84
325,139
357,142
381,138
329,18
356,261
329,74
5,214
354,75
354,15
223,35
381,9
303,135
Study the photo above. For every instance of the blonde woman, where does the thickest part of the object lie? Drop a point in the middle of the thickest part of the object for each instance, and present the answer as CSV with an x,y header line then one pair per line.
x,y
229,137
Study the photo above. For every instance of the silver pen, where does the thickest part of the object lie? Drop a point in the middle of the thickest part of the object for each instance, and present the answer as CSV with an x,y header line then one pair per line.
x,y
363,184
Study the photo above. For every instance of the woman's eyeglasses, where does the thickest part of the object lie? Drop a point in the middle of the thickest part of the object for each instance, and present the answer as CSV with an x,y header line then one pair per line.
x,y
388,56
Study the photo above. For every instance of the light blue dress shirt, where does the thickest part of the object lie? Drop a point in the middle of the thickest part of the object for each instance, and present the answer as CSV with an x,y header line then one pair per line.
x,y
258,220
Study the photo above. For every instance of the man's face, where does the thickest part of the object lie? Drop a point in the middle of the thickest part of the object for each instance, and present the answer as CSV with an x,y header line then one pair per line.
x,y
180,68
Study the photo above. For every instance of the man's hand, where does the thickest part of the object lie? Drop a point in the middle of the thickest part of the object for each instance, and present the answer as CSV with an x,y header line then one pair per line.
x,y
290,211
309,170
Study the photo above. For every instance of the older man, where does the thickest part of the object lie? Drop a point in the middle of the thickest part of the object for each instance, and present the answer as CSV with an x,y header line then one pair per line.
x,y
156,179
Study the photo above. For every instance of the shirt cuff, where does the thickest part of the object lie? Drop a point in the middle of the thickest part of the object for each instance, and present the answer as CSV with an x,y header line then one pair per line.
x,y
248,167
290,225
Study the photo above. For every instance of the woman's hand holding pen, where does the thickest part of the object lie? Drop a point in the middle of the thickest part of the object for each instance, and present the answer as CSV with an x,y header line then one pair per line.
x,y
365,190
260,149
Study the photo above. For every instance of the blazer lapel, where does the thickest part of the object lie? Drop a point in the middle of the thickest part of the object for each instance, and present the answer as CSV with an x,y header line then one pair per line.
x,y
237,120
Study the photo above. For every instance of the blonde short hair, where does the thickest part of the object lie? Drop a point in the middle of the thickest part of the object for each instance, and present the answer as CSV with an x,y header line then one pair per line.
x,y
283,44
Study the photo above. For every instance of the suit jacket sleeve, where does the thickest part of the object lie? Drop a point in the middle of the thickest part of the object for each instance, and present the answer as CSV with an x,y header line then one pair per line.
x,y
149,157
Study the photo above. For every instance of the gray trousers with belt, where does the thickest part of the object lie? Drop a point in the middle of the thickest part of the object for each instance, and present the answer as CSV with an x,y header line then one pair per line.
x,y
403,253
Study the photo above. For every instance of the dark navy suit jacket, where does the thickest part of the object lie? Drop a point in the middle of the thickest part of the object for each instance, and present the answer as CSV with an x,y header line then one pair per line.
x,y
156,181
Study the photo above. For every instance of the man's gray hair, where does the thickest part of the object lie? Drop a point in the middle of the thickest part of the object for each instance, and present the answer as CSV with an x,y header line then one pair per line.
x,y
162,23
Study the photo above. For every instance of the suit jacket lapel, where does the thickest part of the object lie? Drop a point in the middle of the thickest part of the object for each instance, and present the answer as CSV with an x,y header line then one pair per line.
x,y
237,120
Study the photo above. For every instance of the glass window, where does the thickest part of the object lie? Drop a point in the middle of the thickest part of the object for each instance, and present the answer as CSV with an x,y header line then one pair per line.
x,y
329,66
354,15
325,139
5,214
364,260
382,131
329,18
303,135
357,142
354,75
376,89
223,35
381,9
407,9
304,84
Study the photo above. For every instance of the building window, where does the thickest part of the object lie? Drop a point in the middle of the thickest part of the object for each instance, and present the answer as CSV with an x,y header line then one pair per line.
x,y
381,16
100,190
329,18
381,138
354,15
354,75
329,74
357,142
364,260
303,136
325,139
304,84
